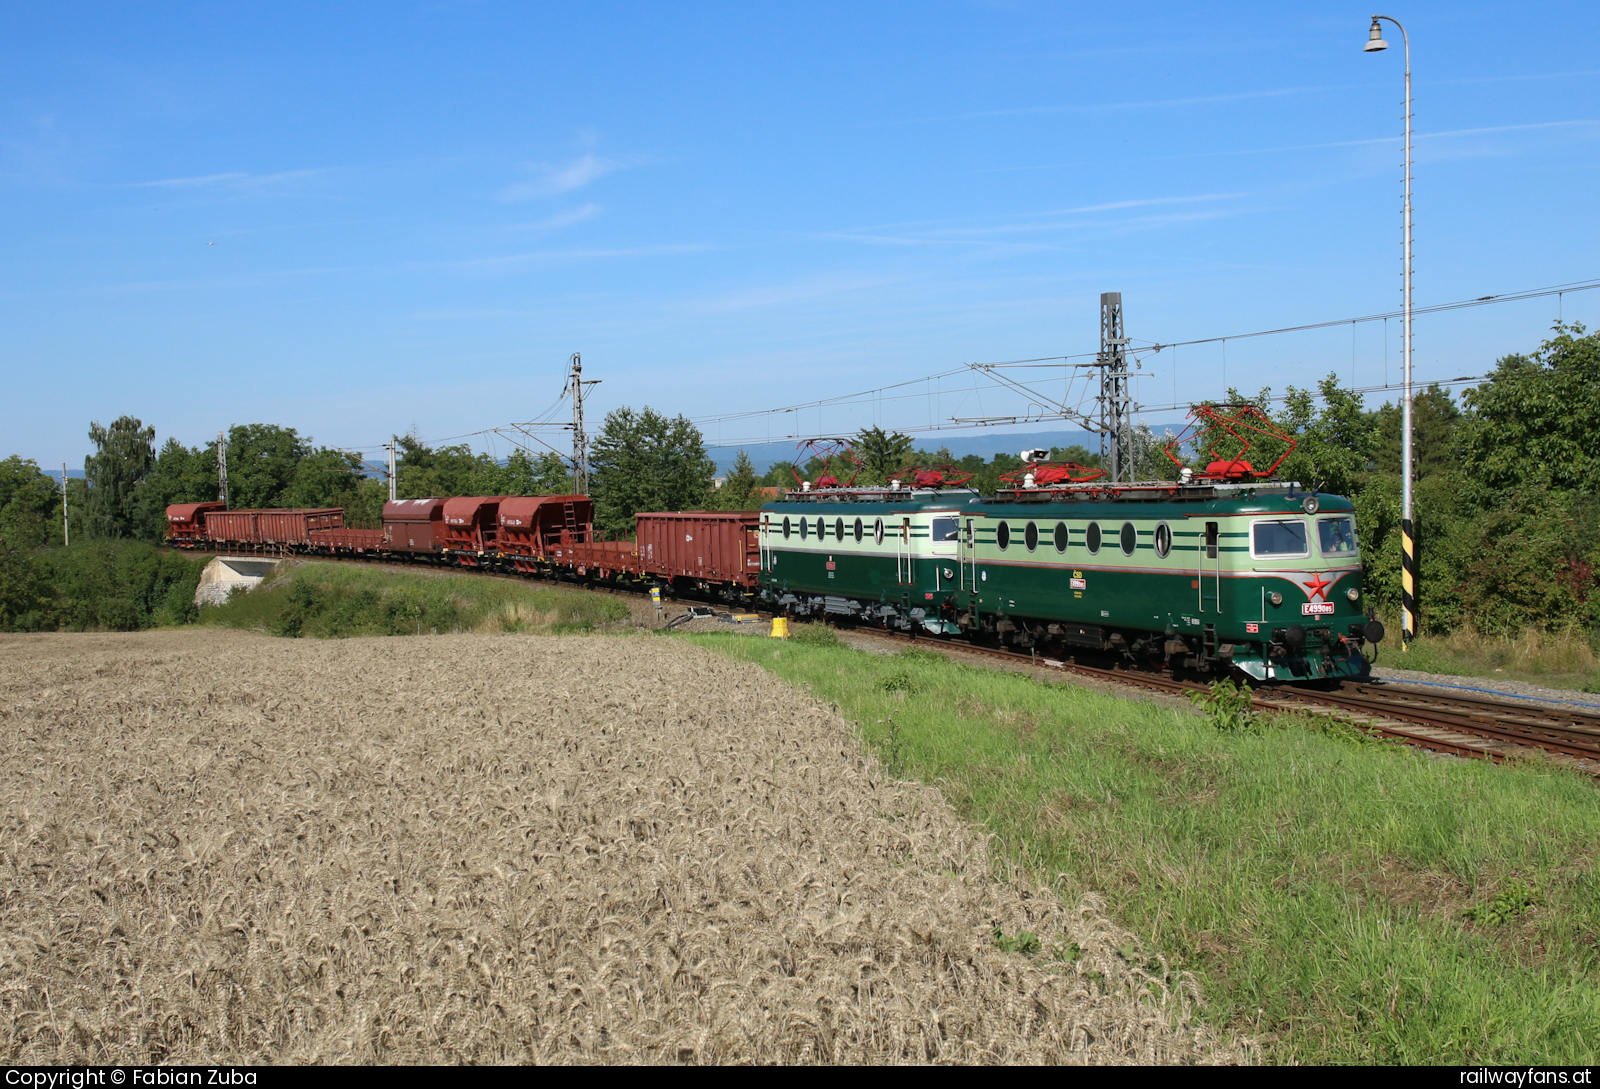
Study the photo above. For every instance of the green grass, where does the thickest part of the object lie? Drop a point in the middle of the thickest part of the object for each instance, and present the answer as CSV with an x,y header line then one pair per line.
x,y
334,600
1340,899
1552,659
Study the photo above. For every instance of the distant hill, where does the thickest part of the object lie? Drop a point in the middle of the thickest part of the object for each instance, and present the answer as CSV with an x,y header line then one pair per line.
x,y
986,444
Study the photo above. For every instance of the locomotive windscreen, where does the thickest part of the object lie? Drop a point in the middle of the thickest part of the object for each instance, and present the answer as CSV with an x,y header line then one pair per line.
x,y
1287,538
1336,535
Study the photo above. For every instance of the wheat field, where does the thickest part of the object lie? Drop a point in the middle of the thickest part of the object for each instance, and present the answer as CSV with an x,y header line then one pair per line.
x,y
219,847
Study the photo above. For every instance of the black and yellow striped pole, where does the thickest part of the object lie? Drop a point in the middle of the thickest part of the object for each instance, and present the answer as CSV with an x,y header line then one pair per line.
x,y
1408,584
1408,540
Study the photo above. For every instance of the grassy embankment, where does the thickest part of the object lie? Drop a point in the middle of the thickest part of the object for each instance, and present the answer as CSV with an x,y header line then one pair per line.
x,y
334,600
1340,899
1553,659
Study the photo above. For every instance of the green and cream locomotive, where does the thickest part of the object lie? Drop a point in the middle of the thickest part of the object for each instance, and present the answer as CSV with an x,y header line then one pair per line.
x,y
1250,577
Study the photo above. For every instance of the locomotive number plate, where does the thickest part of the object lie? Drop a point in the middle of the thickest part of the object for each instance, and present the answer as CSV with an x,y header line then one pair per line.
x,y
1317,608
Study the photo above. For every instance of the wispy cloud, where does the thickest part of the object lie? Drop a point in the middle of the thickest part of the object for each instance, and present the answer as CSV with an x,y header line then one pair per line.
x,y
934,231
554,179
781,294
1097,107
233,180
1326,145
561,219
579,254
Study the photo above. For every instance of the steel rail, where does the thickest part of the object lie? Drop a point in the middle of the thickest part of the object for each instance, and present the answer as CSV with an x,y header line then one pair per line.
x,y
1391,711
1386,718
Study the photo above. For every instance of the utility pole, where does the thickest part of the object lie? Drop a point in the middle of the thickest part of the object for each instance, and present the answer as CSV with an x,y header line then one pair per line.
x,y
394,481
222,467
1116,397
580,439
66,527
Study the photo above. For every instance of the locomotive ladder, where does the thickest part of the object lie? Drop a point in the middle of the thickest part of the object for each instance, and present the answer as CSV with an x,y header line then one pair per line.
x,y
966,557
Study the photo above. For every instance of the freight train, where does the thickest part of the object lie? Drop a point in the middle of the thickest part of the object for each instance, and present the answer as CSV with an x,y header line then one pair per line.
x,y
1225,576
710,553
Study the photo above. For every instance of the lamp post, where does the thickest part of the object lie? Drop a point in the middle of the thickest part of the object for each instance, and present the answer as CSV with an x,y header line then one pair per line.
x,y
1408,542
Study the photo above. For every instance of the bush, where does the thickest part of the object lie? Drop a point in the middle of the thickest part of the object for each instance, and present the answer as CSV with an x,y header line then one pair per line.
x,y
112,585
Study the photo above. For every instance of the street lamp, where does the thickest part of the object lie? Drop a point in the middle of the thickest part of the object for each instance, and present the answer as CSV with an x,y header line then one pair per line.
x,y
1408,543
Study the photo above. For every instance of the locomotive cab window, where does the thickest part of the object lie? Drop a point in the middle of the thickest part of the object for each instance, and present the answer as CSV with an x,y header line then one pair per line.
x,y
1279,537
1337,536
946,533
1211,540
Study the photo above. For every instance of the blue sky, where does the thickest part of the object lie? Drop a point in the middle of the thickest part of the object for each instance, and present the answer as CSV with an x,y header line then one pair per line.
x,y
362,219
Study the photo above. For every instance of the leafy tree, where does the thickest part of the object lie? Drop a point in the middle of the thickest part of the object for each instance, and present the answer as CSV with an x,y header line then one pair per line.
x,y
522,474
741,490
30,504
447,470
1434,424
1536,418
881,453
180,475
1076,454
23,591
363,507
124,454
643,461
262,462
323,478
1334,444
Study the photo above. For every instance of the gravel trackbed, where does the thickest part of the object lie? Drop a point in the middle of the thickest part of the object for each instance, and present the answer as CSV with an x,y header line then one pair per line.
x,y
219,847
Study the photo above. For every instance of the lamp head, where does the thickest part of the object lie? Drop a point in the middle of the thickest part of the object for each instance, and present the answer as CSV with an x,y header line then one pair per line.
x,y
1375,42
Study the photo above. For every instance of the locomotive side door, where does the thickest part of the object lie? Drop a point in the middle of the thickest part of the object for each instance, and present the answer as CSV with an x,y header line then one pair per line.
x,y
1209,573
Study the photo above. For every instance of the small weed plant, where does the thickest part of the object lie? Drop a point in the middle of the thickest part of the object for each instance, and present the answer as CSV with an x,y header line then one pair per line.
x,y
1226,705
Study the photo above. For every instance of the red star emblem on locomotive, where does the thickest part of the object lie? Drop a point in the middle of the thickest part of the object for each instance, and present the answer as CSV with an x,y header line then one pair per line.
x,y
1319,586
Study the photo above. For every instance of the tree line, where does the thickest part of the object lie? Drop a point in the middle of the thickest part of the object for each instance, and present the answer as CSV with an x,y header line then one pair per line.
x,y
1507,481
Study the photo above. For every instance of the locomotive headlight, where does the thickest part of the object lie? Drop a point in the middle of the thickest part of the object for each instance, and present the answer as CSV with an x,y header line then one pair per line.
x,y
1352,593
1275,597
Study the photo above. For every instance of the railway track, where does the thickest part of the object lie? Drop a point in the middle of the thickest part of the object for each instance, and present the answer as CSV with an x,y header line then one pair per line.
x,y
1464,726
